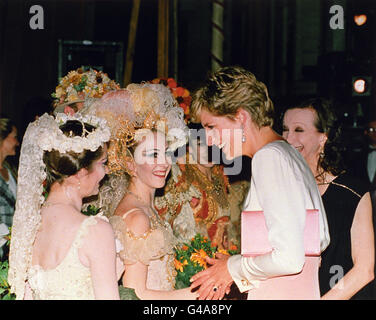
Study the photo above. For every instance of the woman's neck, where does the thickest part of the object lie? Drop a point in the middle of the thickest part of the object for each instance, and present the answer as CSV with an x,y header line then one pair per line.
x,y
63,194
144,193
258,138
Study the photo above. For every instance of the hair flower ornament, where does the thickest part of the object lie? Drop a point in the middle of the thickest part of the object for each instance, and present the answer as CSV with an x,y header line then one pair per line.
x,y
132,112
55,140
80,85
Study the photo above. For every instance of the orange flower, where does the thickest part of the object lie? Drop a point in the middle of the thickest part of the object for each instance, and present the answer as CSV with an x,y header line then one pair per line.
x,y
184,248
199,257
179,91
180,265
233,247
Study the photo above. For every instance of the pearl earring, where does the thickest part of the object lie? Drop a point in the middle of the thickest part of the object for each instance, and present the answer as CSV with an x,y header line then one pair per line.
x,y
243,135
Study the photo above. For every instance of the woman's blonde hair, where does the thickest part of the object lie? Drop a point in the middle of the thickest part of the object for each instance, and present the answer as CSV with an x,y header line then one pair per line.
x,y
231,88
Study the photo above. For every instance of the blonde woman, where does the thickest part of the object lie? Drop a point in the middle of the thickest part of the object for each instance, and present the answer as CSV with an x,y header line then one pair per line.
x,y
144,120
237,113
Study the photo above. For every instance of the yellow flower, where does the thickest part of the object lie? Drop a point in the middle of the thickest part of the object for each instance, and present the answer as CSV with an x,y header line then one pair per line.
x,y
179,265
223,251
199,257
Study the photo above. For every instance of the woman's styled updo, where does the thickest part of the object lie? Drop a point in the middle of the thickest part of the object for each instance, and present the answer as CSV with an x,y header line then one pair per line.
x,y
327,122
62,165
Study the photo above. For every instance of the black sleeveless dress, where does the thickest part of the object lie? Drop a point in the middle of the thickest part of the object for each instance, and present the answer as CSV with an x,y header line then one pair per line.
x,y
340,201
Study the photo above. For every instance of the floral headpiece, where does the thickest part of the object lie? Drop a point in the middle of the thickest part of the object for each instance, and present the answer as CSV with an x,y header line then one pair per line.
x,y
79,85
132,112
52,138
182,95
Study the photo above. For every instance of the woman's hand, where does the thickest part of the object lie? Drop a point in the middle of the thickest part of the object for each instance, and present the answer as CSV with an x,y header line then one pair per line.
x,y
187,294
215,281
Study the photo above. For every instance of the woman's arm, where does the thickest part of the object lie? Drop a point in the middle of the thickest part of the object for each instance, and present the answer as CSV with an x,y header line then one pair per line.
x,y
101,253
362,251
135,275
282,198
138,272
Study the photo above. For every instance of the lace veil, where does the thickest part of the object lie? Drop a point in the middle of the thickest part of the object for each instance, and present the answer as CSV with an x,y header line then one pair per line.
x,y
41,135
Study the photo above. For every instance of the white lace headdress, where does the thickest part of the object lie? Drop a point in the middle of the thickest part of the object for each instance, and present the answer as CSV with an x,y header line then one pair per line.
x,y
41,135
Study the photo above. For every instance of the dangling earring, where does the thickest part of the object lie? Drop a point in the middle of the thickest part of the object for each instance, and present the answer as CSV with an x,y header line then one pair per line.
x,y
243,135
79,185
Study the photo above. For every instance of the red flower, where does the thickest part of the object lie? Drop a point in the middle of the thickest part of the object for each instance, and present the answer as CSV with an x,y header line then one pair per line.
x,y
171,83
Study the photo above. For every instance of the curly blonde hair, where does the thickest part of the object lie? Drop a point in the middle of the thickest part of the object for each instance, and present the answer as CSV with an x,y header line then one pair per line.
x,y
231,88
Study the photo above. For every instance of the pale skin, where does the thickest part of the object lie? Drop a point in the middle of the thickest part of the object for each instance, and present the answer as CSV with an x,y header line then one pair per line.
x,y
59,225
150,168
299,130
226,133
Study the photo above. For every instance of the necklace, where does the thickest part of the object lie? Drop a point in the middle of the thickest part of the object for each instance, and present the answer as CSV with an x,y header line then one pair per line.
x,y
155,213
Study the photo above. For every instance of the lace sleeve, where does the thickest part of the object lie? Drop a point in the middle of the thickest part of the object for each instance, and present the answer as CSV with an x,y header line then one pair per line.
x,y
152,245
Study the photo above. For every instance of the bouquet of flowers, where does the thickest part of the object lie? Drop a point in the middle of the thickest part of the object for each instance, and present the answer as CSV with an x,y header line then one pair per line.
x,y
190,258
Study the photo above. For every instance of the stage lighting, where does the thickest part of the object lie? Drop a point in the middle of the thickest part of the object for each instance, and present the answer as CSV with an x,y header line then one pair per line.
x,y
360,19
361,86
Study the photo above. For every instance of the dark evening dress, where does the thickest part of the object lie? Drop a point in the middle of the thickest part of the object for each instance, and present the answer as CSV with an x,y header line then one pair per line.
x,y
340,201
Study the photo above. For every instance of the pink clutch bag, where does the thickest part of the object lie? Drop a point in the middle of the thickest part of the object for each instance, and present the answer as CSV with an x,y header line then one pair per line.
x,y
254,234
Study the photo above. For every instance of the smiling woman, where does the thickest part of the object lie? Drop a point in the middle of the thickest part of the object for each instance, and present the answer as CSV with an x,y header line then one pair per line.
x,y
146,122
312,129
235,109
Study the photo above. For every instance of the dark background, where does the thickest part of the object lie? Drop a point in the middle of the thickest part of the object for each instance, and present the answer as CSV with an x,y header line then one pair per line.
x,y
288,44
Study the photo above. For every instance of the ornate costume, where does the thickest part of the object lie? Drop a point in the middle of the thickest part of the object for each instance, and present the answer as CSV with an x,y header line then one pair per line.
x,y
154,248
193,204
131,113
42,135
